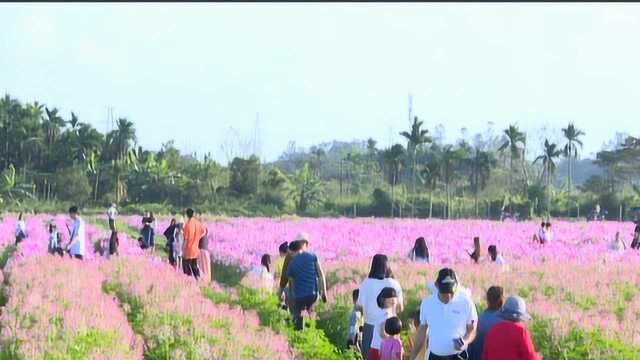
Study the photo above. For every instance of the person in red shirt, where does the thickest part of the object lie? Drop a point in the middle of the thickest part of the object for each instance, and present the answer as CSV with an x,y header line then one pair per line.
x,y
510,339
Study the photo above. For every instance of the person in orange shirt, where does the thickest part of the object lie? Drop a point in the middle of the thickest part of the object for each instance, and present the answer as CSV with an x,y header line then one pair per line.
x,y
193,232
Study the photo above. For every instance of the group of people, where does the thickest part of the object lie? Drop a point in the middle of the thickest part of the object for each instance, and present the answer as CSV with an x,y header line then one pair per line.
x,y
302,279
445,327
75,247
544,235
420,252
187,242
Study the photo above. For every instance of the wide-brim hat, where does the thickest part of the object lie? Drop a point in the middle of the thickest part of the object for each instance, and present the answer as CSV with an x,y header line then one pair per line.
x,y
515,309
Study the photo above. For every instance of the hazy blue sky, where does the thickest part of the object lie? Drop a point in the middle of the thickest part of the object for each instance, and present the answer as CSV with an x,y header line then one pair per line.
x,y
317,72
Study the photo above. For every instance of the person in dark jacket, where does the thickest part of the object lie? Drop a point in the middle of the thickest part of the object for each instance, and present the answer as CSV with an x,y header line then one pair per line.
x,y
169,233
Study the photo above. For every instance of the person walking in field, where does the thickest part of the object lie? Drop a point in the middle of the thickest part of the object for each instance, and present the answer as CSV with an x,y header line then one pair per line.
x,y
284,290
55,241
488,319
420,252
618,243
307,281
391,346
114,243
635,243
448,318
387,302
178,245
260,277
112,212
477,250
76,245
380,276
541,236
204,258
510,339
169,234
21,229
496,257
193,232
283,250
356,322
148,234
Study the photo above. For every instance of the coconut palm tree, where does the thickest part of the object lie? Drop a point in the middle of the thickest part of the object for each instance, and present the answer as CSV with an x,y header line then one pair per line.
x,y
514,140
449,160
122,137
416,138
482,164
393,158
551,152
430,175
572,134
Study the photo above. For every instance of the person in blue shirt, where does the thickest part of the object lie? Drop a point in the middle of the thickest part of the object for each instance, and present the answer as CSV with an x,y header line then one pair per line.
x,y
489,318
306,279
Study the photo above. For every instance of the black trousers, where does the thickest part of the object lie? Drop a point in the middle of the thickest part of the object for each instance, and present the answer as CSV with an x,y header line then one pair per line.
x,y
112,225
172,259
19,238
461,356
76,256
190,267
299,305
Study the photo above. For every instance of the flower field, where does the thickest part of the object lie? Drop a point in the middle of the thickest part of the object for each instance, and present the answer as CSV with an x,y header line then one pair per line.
x,y
584,297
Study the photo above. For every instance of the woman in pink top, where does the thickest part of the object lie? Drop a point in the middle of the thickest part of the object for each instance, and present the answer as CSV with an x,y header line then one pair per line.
x,y
391,346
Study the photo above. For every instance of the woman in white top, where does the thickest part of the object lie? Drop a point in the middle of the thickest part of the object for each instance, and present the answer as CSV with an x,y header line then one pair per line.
x,y
21,229
178,243
55,241
380,276
260,277
420,252
617,244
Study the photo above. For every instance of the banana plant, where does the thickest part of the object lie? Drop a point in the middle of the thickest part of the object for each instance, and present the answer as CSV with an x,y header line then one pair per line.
x,y
10,188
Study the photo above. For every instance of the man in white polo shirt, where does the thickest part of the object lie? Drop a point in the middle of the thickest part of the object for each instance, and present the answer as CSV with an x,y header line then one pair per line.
x,y
76,242
449,318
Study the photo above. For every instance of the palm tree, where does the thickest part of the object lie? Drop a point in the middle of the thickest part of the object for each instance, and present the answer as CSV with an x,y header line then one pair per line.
x,y
481,165
572,134
551,152
393,158
448,162
372,151
318,154
122,137
514,138
430,175
415,139
52,125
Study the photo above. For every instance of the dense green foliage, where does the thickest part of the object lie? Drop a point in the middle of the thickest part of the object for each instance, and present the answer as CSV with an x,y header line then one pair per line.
x,y
48,160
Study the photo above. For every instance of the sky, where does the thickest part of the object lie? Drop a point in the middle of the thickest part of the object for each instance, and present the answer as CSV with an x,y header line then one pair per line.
x,y
214,76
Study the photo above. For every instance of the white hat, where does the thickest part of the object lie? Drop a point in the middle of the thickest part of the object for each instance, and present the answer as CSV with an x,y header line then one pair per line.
x,y
302,236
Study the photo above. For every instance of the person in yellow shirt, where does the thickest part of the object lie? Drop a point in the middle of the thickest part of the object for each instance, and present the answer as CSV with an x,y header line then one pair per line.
x,y
283,250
